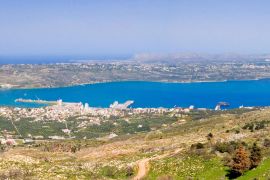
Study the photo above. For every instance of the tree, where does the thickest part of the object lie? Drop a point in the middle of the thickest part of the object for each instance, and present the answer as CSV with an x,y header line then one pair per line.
x,y
255,156
240,162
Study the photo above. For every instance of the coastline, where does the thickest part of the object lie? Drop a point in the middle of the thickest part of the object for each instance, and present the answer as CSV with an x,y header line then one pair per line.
x,y
15,87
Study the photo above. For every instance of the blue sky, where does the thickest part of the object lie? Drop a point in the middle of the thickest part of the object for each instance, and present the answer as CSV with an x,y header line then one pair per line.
x,y
113,27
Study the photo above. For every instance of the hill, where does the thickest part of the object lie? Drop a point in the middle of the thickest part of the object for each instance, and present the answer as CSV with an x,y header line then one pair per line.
x,y
202,148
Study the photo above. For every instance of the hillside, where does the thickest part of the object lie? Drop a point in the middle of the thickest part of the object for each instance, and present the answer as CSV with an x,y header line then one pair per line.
x,y
88,72
172,151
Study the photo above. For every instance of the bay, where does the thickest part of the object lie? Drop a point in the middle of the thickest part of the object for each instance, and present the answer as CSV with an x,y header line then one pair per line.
x,y
150,94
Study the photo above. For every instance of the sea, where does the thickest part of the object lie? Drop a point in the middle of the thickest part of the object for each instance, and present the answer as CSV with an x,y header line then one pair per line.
x,y
150,94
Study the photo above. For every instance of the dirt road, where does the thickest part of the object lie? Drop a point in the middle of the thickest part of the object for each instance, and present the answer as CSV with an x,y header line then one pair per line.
x,y
143,166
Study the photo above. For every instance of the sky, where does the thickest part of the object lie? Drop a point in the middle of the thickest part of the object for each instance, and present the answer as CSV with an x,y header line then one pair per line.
x,y
124,27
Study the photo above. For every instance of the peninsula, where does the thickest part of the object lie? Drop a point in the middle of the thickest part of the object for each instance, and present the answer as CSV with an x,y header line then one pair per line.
x,y
161,69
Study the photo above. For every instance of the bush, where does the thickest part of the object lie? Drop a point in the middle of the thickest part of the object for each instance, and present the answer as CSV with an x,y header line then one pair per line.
x,y
237,131
209,136
3,147
244,159
129,171
249,126
61,147
240,162
224,147
266,143
255,156
229,147
198,149
256,125
197,146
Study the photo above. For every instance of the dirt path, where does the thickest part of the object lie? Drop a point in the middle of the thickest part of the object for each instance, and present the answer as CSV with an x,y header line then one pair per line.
x,y
143,166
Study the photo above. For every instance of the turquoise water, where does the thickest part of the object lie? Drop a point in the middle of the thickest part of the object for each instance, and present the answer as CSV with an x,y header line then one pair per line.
x,y
151,94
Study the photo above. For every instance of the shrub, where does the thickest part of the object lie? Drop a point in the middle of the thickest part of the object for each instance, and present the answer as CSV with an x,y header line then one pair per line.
x,y
129,171
229,147
198,149
266,143
224,147
61,147
249,126
256,125
197,146
3,147
209,136
255,156
237,131
240,162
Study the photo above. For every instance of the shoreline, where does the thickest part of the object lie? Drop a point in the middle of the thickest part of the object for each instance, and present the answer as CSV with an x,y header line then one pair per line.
x,y
15,87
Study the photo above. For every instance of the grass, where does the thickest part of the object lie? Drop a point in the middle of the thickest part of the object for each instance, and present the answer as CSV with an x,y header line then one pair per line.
x,y
199,168
261,172
188,167
64,169
214,169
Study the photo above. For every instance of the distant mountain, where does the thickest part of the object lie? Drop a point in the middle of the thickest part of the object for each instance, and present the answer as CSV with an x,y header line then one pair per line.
x,y
175,58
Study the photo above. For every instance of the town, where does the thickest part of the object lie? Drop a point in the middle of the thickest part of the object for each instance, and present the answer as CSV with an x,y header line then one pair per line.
x,y
62,112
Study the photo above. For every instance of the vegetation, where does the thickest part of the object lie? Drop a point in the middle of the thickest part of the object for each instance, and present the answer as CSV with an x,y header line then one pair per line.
x,y
252,126
187,167
192,150
255,156
228,147
266,143
116,173
261,172
59,75
240,163
61,147
27,126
